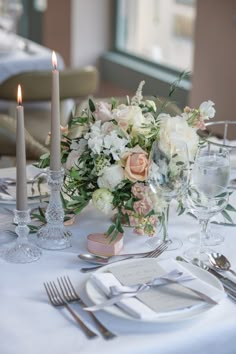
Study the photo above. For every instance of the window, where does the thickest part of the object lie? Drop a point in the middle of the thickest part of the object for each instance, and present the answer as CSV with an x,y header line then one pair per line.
x,y
160,31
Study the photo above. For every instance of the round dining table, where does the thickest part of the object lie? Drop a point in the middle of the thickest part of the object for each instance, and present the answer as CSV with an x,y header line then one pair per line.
x,y
29,324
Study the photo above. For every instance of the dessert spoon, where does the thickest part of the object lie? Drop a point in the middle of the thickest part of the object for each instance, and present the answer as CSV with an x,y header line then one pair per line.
x,y
220,262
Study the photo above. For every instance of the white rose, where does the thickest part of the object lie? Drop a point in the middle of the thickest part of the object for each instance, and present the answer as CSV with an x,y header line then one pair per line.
x,y
102,199
177,127
207,110
112,176
131,114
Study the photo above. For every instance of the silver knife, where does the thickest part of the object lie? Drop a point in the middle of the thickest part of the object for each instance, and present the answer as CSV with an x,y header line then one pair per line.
x,y
229,285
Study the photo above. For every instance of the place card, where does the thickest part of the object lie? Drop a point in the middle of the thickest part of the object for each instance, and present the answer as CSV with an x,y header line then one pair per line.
x,y
162,299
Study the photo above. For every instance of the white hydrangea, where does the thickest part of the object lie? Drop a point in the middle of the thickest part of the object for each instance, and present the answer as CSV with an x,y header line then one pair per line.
x,y
112,176
102,199
115,145
96,144
104,138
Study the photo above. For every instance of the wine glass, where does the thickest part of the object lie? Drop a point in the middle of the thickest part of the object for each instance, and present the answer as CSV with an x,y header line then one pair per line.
x,y
168,178
210,167
204,203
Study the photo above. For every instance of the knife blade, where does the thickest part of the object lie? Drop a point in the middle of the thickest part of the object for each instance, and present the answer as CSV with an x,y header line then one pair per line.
x,y
227,283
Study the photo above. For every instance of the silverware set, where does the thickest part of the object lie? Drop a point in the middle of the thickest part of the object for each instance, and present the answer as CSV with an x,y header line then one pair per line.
x,y
214,269
63,293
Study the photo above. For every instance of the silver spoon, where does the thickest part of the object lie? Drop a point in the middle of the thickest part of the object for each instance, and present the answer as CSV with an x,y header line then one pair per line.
x,y
96,259
220,262
93,258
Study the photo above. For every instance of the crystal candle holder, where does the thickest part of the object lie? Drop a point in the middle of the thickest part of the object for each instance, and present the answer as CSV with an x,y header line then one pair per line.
x,y
53,235
22,251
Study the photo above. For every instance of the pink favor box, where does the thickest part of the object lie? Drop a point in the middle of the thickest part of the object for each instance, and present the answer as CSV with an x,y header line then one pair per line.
x,y
99,244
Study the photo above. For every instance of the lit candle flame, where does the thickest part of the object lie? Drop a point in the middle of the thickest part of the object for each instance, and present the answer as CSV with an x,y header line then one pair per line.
x,y
19,95
54,60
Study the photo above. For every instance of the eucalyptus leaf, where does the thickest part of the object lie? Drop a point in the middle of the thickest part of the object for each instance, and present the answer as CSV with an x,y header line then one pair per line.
x,y
92,106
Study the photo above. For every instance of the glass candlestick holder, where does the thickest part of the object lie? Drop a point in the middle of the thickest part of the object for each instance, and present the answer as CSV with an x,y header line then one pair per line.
x,y
54,236
22,251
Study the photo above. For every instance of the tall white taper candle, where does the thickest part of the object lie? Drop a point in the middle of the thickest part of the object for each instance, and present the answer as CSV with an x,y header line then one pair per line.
x,y
55,149
21,182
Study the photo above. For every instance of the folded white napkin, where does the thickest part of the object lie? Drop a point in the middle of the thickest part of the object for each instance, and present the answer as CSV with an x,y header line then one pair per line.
x,y
161,301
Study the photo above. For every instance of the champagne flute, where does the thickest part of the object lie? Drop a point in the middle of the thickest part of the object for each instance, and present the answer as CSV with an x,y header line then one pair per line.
x,y
204,204
211,167
168,178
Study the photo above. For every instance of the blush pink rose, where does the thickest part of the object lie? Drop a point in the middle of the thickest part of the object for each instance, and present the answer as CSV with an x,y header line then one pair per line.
x,y
136,164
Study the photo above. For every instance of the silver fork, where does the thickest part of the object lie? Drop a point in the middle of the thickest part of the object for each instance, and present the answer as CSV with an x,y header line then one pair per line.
x,y
153,254
70,294
159,250
57,300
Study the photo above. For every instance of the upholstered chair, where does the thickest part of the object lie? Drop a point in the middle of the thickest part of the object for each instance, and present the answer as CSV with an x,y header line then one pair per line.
x,y
75,85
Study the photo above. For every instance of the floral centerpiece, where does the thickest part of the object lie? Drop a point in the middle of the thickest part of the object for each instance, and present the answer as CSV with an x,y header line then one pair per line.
x,y
108,159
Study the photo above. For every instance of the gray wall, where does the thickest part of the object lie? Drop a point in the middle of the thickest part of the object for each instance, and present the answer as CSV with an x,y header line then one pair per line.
x,y
215,57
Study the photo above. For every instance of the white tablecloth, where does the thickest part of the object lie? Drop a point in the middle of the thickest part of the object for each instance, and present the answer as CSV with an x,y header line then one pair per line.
x,y
30,325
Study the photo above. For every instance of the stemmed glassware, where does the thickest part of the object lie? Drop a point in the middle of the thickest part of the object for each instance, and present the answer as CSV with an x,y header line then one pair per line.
x,y
210,167
169,178
204,202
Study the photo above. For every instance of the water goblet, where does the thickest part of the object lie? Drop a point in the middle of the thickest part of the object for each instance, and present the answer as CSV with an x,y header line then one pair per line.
x,y
204,204
168,178
210,167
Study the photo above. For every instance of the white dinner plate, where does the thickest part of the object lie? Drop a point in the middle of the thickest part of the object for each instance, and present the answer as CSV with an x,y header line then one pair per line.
x,y
33,196
97,297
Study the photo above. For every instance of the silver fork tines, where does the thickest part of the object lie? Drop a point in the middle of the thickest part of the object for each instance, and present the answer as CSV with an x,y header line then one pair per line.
x,y
70,294
159,250
56,299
